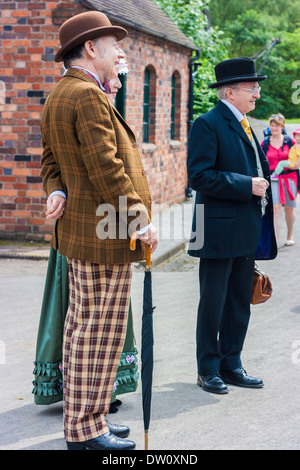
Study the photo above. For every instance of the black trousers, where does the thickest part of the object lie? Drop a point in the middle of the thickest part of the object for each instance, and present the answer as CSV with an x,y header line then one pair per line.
x,y
223,312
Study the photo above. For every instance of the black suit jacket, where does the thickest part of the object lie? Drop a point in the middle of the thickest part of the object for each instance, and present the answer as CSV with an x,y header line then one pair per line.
x,y
221,163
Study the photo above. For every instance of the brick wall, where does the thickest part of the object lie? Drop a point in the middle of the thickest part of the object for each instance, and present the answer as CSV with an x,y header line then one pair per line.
x,y
28,42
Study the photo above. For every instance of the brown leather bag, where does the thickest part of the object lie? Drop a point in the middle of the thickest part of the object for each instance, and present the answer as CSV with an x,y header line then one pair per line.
x,y
261,288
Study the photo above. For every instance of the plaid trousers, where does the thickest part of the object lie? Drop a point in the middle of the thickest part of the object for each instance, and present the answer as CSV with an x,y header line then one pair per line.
x,y
94,336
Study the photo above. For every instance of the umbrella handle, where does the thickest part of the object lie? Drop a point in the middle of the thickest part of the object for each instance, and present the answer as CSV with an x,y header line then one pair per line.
x,y
132,246
133,239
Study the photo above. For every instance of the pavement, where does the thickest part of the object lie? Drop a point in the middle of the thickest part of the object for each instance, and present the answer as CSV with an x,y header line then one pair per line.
x,y
183,417
173,223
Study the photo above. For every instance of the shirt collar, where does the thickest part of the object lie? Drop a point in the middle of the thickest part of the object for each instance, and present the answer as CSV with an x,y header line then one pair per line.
x,y
235,111
94,75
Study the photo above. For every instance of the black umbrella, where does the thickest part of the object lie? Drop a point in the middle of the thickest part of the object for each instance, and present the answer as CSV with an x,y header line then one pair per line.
x,y
147,341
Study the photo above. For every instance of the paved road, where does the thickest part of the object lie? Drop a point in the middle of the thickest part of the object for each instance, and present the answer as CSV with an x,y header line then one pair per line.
x,y
183,416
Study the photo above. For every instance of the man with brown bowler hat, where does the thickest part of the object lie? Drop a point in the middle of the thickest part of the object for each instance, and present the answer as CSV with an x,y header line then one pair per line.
x,y
231,177
97,190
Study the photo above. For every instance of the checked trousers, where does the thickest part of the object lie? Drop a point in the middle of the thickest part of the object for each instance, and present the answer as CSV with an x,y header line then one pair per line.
x,y
94,335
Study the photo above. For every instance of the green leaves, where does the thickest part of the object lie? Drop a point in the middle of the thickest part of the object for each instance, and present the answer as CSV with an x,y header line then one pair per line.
x,y
250,26
242,29
191,19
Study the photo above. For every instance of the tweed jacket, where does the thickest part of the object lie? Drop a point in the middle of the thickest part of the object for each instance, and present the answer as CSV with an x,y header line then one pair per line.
x,y
90,153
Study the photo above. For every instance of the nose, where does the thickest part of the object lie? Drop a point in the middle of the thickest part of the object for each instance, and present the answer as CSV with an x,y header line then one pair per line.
x,y
118,84
121,53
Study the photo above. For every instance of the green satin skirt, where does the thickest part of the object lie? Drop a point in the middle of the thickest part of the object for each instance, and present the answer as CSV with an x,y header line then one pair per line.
x,y
48,383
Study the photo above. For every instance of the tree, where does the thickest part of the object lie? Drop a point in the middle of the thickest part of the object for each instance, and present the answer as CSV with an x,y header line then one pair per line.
x,y
251,25
190,17
242,29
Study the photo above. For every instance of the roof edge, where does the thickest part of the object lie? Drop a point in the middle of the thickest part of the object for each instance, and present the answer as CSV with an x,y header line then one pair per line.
x,y
188,44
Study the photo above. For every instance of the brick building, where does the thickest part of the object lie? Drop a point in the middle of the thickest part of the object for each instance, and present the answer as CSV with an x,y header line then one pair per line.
x,y
154,100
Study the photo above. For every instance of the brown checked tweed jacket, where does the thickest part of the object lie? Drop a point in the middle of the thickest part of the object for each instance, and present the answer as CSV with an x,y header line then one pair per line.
x,y
91,154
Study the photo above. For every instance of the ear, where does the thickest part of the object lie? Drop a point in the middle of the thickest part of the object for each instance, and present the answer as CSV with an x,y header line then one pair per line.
x,y
229,92
89,47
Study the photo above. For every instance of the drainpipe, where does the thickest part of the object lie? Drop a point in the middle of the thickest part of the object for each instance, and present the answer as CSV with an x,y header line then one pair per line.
x,y
193,65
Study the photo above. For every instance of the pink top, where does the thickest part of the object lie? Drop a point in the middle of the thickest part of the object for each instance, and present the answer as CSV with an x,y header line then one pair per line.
x,y
274,155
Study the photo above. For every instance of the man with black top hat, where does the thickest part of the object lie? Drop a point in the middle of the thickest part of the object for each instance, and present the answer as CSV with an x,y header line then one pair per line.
x,y
231,177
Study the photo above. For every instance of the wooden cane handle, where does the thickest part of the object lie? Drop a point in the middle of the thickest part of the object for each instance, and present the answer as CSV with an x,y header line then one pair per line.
x,y
133,239
132,246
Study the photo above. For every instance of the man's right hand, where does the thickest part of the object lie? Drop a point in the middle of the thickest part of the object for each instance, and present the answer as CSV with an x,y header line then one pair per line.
x,y
259,186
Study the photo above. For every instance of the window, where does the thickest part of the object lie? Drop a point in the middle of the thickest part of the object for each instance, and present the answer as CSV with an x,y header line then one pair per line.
x,y
146,105
175,106
149,119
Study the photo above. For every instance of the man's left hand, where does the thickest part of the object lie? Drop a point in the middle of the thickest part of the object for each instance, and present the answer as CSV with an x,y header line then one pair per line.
x,y
150,237
55,206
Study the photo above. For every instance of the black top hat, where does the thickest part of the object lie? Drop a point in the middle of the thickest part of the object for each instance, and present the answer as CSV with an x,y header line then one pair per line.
x,y
237,70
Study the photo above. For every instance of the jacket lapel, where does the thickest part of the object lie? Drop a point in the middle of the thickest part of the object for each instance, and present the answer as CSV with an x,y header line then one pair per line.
x,y
233,122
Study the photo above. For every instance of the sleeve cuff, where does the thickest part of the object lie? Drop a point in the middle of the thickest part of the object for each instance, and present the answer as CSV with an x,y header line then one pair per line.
x,y
143,230
60,193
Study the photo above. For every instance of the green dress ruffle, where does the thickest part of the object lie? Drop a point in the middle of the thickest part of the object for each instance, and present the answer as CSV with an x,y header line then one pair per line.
x,y
48,383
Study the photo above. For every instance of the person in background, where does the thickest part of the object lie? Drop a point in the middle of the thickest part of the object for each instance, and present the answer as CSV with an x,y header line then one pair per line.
x,y
48,367
127,375
284,186
293,161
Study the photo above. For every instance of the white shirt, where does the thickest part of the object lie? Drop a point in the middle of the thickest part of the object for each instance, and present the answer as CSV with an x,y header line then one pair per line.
x,y
235,111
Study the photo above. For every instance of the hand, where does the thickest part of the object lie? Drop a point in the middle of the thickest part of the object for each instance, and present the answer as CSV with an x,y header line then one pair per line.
x,y
55,206
281,165
259,186
150,237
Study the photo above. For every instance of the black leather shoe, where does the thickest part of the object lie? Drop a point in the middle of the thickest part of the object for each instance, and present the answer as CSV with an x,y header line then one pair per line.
x,y
240,378
107,441
113,407
118,429
212,383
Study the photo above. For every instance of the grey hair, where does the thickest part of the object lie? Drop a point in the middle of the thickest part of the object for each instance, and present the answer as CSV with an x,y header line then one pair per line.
x,y
77,53
221,91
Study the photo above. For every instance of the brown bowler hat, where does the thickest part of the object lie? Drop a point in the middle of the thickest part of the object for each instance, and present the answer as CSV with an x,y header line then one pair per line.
x,y
84,27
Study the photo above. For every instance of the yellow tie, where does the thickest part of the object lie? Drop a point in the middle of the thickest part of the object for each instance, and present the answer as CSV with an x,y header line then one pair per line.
x,y
245,124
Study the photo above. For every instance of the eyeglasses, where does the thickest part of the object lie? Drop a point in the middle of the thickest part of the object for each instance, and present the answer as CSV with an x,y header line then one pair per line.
x,y
252,90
